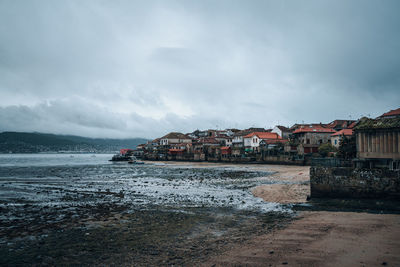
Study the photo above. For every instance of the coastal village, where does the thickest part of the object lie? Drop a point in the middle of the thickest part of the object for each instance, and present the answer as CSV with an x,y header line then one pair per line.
x,y
341,143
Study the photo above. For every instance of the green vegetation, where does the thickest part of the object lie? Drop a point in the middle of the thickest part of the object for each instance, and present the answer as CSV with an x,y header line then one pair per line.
x,y
380,123
325,149
347,148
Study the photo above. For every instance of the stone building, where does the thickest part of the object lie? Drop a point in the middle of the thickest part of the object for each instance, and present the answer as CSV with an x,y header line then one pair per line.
x,y
309,138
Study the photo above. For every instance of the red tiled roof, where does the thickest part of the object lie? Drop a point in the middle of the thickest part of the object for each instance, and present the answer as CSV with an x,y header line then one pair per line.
x,y
225,148
275,141
394,112
314,129
176,150
263,135
340,123
351,126
124,151
344,132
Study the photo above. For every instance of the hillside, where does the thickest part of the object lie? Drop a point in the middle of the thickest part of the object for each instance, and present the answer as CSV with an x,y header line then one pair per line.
x,y
19,142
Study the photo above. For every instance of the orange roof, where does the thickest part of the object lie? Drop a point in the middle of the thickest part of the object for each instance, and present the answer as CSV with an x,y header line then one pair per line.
x,y
275,141
176,150
263,135
395,112
343,132
314,129
225,148
351,126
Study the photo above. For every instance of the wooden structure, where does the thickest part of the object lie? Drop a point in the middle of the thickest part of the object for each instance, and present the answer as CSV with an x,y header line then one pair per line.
x,y
378,142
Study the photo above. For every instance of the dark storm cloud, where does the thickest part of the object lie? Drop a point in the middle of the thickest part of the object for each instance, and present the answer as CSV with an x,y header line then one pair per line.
x,y
126,68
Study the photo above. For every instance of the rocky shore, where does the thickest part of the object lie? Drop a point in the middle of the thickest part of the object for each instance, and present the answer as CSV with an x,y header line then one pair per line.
x,y
107,226
120,214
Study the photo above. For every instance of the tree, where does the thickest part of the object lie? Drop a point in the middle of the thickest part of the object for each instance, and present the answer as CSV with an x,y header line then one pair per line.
x,y
347,148
325,149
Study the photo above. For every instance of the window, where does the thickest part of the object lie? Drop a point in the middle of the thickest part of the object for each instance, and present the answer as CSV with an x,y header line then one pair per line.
x,y
308,141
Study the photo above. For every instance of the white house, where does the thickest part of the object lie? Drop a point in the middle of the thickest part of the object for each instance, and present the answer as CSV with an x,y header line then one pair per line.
x,y
282,131
174,138
252,141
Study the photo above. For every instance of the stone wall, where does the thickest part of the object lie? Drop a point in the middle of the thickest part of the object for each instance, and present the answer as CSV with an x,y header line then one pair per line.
x,y
344,182
283,159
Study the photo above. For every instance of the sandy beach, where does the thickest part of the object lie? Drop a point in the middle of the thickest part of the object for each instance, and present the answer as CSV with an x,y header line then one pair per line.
x,y
322,239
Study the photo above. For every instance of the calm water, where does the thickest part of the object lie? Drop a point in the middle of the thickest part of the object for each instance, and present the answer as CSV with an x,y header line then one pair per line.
x,y
32,183
31,160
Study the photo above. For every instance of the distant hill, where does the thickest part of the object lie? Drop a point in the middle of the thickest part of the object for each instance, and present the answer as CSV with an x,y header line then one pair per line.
x,y
20,142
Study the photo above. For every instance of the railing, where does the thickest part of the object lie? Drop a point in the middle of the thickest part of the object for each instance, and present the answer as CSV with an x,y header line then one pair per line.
x,y
331,162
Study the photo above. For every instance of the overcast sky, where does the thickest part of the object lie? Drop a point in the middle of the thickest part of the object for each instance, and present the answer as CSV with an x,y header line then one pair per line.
x,y
144,68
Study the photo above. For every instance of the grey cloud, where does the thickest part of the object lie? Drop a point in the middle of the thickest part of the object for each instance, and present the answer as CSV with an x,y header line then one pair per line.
x,y
134,68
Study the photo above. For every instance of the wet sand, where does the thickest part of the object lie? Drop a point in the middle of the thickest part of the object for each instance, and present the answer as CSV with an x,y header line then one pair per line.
x,y
322,239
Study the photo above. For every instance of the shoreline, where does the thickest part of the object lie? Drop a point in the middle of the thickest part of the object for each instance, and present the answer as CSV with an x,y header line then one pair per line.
x,y
293,181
